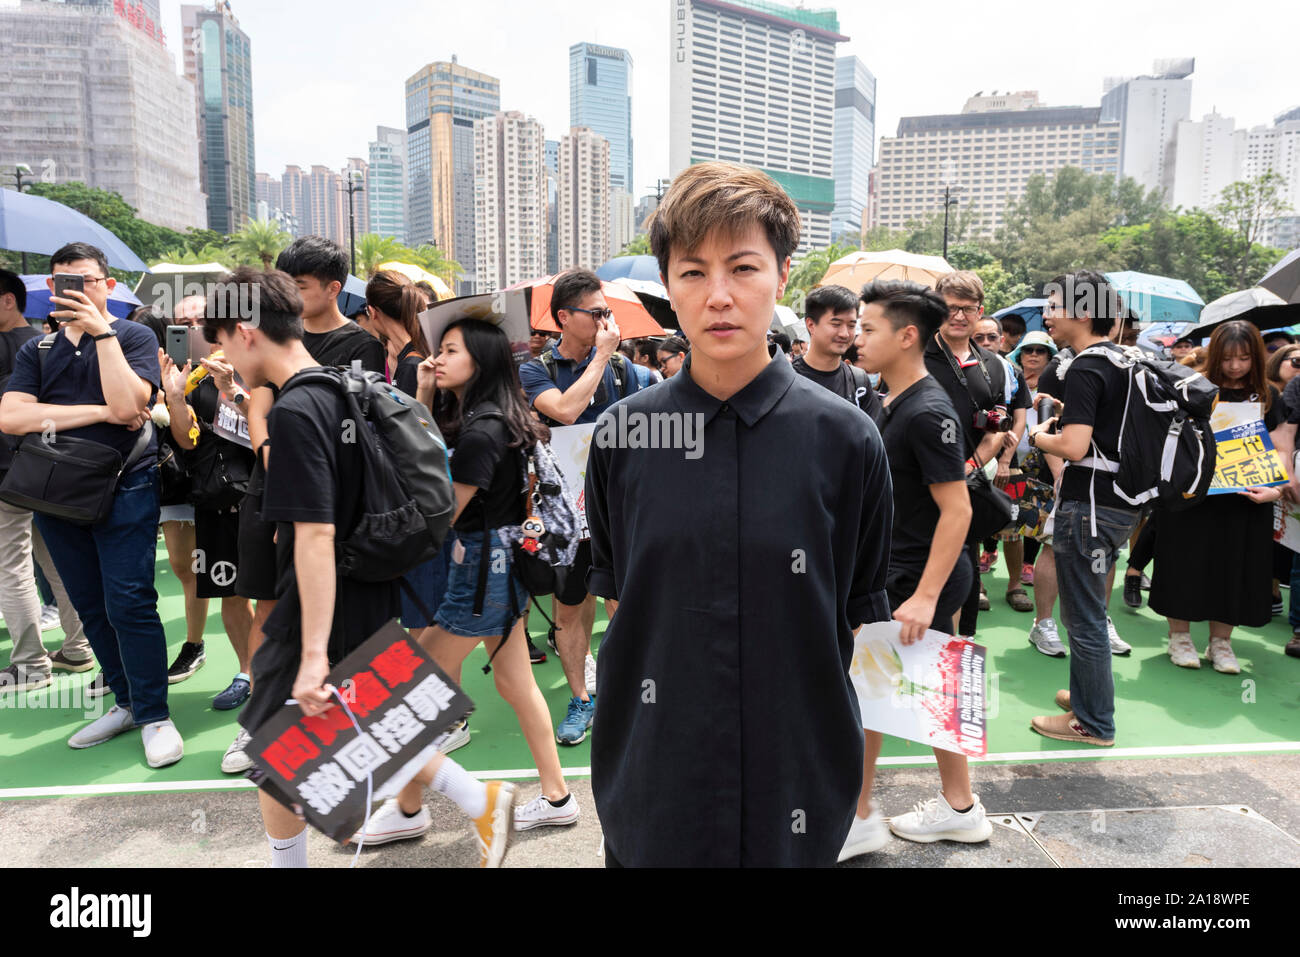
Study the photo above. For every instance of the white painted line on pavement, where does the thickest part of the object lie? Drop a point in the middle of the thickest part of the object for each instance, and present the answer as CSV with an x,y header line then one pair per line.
x,y
234,784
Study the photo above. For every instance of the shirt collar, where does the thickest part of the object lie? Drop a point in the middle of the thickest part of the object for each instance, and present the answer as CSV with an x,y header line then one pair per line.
x,y
751,403
555,350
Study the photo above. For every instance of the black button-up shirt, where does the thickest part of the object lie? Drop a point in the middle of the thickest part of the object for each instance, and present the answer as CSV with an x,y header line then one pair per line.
x,y
728,730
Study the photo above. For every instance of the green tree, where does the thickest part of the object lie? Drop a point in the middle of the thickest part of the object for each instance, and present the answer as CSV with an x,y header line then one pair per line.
x,y
211,253
111,211
810,270
259,241
373,249
639,246
1001,289
1245,208
434,260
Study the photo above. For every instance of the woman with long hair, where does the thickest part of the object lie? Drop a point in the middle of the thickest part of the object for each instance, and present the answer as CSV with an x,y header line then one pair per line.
x,y
392,315
484,602
1215,562
1281,368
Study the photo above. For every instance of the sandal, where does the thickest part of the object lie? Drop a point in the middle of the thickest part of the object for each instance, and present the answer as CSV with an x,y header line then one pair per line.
x,y
1019,599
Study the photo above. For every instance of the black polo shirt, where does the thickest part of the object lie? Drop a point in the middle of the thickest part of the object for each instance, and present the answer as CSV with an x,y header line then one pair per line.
x,y
729,729
924,447
977,393
71,377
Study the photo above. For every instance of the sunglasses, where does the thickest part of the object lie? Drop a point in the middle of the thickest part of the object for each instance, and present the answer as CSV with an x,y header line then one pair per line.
x,y
594,313
1295,362
987,337
1035,351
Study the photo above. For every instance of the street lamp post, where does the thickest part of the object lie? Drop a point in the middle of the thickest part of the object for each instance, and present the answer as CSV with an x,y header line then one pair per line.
x,y
21,172
948,200
352,186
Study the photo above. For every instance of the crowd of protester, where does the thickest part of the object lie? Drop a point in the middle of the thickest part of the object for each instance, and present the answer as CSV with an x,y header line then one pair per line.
x,y
883,372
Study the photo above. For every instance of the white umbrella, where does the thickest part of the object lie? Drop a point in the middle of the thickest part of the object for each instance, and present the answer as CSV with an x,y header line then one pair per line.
x,y
785,320
857,269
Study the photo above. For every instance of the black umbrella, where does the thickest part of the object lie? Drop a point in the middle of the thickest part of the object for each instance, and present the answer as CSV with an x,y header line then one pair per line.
x,y
1257,306
1284,278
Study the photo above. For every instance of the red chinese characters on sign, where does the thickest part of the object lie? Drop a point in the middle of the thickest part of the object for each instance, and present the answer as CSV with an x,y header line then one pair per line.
x,y
290,751
325,727
396,664
365,694
137,16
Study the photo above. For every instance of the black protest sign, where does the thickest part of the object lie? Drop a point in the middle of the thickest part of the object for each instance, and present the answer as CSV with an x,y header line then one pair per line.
x,y
402,702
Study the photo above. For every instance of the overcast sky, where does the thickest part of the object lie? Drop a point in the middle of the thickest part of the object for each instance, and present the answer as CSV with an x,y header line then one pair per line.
x,y
326,72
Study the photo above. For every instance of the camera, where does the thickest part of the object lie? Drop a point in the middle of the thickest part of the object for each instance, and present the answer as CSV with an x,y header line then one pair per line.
x,y
996,419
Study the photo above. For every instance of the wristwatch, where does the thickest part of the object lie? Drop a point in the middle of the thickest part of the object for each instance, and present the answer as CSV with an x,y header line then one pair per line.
x,y
239,398
111,334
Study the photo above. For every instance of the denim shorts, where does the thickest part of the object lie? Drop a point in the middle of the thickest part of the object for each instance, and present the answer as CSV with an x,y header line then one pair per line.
x,y
456,612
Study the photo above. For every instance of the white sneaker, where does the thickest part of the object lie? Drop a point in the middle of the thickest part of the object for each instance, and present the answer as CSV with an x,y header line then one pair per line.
x,y
1221,657
50,618
106,726
589,673
539,812
1044,637
1118,646
162,743
935,820
453,738
866,834
236,760
390,824
1182,650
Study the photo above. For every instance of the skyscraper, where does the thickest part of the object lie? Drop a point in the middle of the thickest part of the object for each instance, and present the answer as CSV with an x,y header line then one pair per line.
x,y
855,142
442,102
91,94
1206,155
754,82
219,64
386,184
600,98
327,205
1277,148
294,200
552,207
1148,110
583,220
510,184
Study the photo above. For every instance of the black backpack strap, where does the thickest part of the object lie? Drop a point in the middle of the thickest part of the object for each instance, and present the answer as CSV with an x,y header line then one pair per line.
x,y
620,376
860,381
43,351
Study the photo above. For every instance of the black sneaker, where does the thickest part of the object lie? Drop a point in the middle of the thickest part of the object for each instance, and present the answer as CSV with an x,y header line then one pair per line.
x,y
190,660
1133,591
1278,607
98,687
550,640
535,655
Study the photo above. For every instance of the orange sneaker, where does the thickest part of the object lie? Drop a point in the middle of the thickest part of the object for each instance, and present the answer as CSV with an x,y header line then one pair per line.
x,y
493,826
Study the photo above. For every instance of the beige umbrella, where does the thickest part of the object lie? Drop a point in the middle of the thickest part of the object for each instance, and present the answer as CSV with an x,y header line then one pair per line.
x,y
857,269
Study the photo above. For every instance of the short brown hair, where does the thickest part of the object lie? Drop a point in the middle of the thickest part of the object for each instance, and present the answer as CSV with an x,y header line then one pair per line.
x,y
962,284
716,195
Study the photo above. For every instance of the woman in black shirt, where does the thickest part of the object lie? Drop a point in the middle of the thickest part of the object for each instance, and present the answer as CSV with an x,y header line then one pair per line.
x,y
1188,584
393,307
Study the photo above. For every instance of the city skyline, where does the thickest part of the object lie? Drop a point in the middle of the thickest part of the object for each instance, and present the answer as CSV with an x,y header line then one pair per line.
x,y
1241,70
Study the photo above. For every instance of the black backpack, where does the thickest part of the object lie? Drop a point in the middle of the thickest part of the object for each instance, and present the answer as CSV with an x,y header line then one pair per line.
x,y
1166,451
407,500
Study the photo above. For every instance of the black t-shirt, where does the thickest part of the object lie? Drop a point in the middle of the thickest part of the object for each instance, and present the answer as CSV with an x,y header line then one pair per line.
x,y
978,392
316,477
1277,410
1049,382
924,449
483,460
405,376
1095,393
843,382
1291,400
340,346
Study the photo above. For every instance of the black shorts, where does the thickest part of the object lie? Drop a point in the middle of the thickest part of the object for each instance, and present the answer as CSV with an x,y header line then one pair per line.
x,y
216,538
571,584
257,563
900,585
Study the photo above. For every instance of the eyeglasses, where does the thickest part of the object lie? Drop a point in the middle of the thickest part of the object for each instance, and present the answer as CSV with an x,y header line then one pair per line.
x,y
663,363
1295,362
594,313
968,311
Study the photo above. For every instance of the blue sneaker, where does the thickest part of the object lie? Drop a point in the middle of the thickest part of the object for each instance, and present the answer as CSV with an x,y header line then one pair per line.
x,y
573,729
234,696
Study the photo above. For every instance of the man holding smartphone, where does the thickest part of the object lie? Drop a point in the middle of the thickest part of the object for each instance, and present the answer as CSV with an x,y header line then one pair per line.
x,y
572,382
97,382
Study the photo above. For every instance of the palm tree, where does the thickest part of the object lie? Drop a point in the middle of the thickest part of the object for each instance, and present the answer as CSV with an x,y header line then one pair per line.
x,y
435,261
257,240
210,253
373,249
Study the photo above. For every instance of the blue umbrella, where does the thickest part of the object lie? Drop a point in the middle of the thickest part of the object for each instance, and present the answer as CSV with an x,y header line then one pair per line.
x,y
120,301
630,267
34,224
1157,298
1030,310
352,297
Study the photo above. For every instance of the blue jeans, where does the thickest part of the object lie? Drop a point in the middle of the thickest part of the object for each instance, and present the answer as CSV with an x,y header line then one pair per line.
x,y
1082,563
108,572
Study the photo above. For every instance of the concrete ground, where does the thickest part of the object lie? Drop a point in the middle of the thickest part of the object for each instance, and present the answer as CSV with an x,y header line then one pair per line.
x,y
1159,812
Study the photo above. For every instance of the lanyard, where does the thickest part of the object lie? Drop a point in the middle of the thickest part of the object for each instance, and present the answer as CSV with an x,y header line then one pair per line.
x,y
956,366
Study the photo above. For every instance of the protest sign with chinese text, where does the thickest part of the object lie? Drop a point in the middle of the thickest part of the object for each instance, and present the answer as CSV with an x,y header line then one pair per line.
x,y
402,702
931,691
1246,457
571,443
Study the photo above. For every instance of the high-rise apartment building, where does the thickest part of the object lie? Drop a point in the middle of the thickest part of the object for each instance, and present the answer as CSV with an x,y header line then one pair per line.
x,y
854,152
386,184
443,100
552,159
218,62
1277,148
326,212
754,82
987,154
583,219
293,200
1148,110
90,93
1206,156
510,215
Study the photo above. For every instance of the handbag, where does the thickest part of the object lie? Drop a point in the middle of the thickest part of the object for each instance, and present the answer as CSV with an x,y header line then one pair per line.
x,y
990,508
219,472
69,478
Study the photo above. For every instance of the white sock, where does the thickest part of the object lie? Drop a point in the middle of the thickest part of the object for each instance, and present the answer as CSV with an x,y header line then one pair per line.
x,y
469,793
289,851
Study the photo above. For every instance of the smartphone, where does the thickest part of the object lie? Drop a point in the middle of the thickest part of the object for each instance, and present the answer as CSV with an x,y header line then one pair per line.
x,y
68,280
178,345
